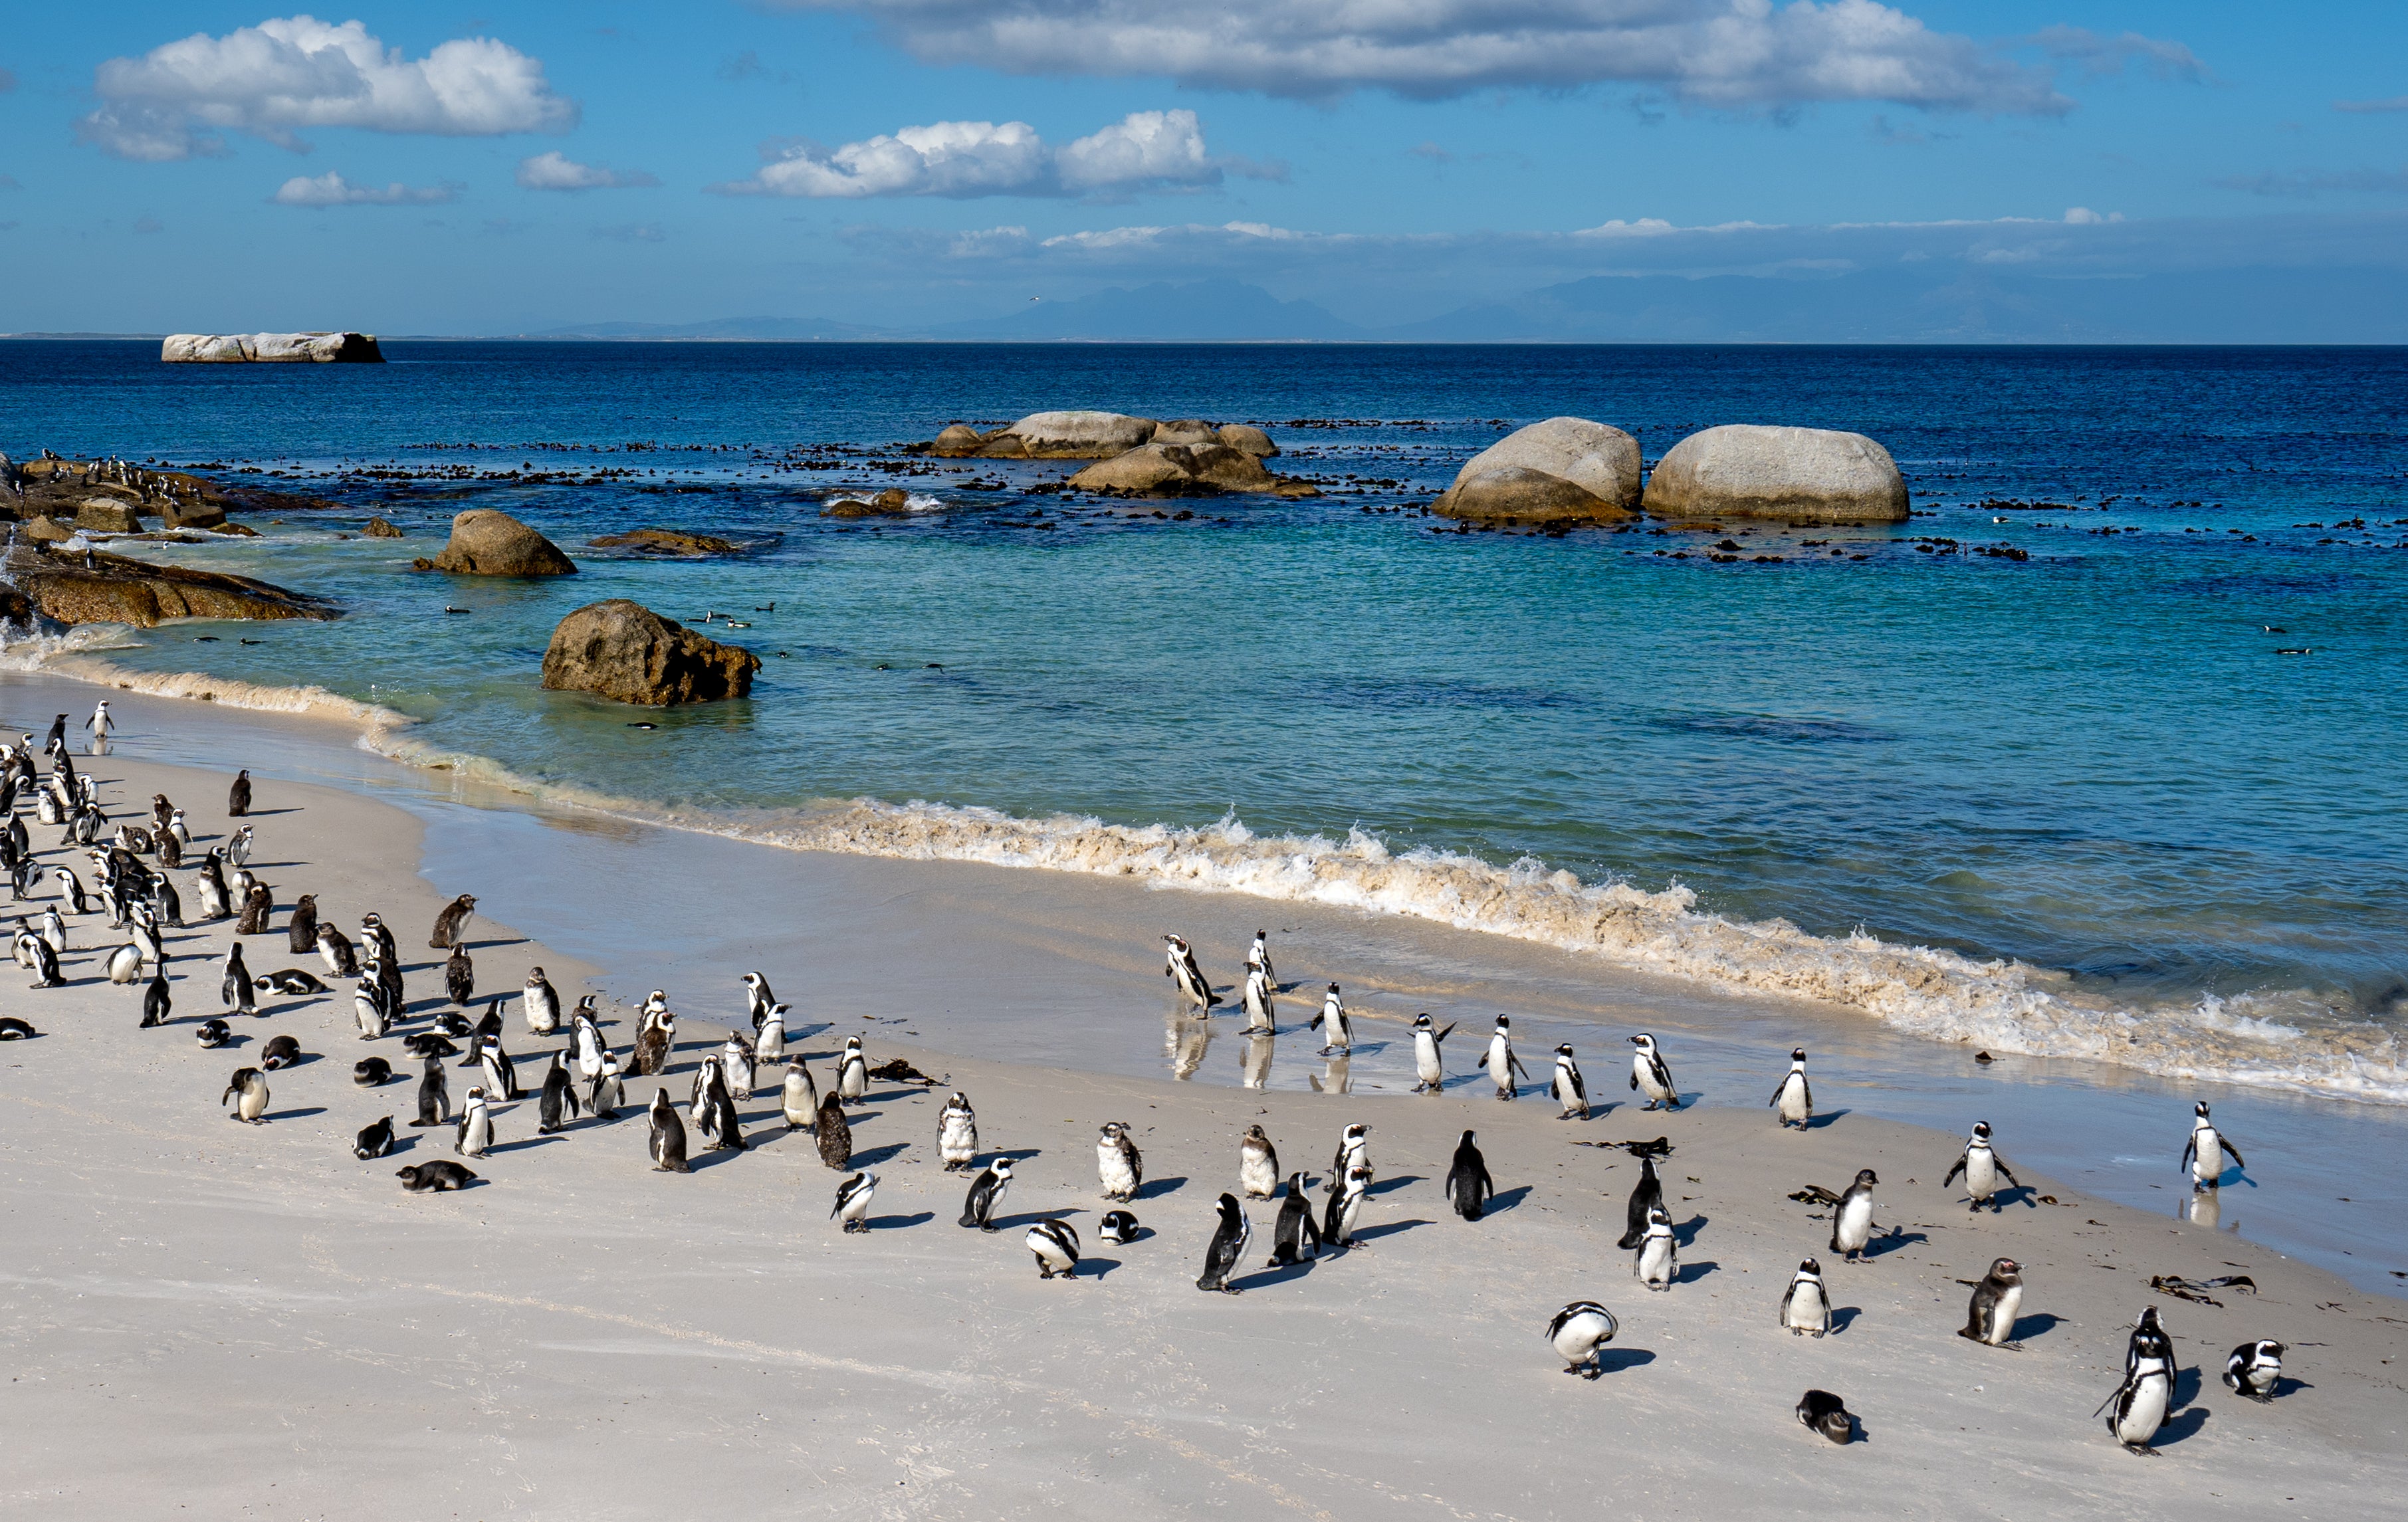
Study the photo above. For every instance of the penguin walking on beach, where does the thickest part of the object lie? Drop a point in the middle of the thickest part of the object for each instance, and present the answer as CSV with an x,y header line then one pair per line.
x,y
1657,1263
2137,1408
668,1136
1991,1316
1181,968
799,1097
1793,1101
1469,1187
851,1207
1119,1168
986,1194
239,795
1261,1005
540,1003
1646,1197
1296,1237
1501,1063
1430,1066
1227,1247
1337,1032
1806,1307
99,724
852,1072
1578,1332
1651,1075
434,1095
958,1134
1852,1218
2253,1369
770,1043
758,1000
604,1092
475,1133
1055,1246
1259,956
248,1089
559,1095
1567,1087
236,987
1982,1169
1345,1207
449,922
833,1134
1259,1169
2203,1154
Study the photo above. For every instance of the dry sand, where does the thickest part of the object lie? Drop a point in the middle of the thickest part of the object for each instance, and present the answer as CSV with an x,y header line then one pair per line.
x,y
279,1330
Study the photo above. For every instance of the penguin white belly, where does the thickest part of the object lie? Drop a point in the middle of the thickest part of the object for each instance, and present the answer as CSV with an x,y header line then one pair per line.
x,y
1501,1065
1119,1180
1793,1101
1579,1337
1981,1173
1426,1065
369,1013
2208,1166
252,1103
1658,1261
959,1143
795,1100
2002,1317
1855,1226
854,1082
1349,1209
476,1134
1255,1173
2144,1408
1644,1072
1807,1311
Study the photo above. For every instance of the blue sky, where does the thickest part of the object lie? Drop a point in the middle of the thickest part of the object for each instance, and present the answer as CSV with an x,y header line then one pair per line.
x,y
507,166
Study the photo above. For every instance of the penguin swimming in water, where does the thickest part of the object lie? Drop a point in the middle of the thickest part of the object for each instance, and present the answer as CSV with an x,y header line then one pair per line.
x,y
1181,968
2202,1153
1345,1207
1806,1306
439,1175
833,1134
559,1094
1820,1411
374,1141
1119,1167
236,988
1568,1089
668,1136
434,1094
1657,1263
852,1072
1852,1218
851,1206
958,1134
1428,1066
1259,956
280,1051
1991,1316
2253,1369
1501,1063
475,1132
1982,1169
604,1092
1229,1245
1793,1102
1467,1184
1261,1003
1337,1032
251,1087
986,1193
798,1096
1651,1075
214,1033
1296,1236
540,1003
1578,1332
2137,1408
1118,1228
371,1072
450,921
1646,1196
239,795
1259,1169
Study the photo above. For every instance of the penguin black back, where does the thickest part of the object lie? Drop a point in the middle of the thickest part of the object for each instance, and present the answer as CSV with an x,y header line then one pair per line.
x,y
1820,1411
239,795
1647,1195
1467,1184
374,1141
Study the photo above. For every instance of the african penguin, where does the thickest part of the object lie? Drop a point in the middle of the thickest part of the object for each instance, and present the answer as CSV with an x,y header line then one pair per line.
x,y
833,1134
434,1094
1852,1218
1657,1263
559,1093
1793,1102
1257,1164
1118,1228
1651,1075
1645,1195
1467,1184
251,1087
1337,1032
1820,1411
1806,1307
540,1003
369,1071
374,1141
668,1136
1261,1004
1982,1169
1353,1150
449,922
986,1193
1056,1247
1181,968
280,1051
1119,1167
1428,1064
958,1134
1501,1063
604,1092
1296,1236
475,1132
439,1175
2253,1369
853,1071
214,1033
1259,955
798,1096
1229,1245
1578,1332
852,1208
2203,1154
1568,1089
1991,1316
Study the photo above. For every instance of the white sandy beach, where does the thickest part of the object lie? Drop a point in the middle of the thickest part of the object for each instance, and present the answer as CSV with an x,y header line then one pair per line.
x,y
247,1321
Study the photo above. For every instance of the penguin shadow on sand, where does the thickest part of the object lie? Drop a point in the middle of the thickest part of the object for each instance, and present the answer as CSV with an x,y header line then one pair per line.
x,y
1685,1233
1395,1182
1894,1239
1613,1360
302,1113
871,1156
1824,1120
1388,1228
2186,1418
1155,1189
1505,1200
895,1223
2038,1323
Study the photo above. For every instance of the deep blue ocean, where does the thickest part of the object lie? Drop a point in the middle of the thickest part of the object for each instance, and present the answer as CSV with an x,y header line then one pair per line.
x,y
2096,764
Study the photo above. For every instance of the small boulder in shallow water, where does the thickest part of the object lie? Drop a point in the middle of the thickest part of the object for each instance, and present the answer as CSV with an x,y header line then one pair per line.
x,y
624,651
488,543
379,529
894,502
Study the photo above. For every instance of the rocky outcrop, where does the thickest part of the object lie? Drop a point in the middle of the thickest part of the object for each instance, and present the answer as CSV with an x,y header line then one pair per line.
x,y
624,651
92,587
1184,471
379,529
1090,435
1248,441
47,530
1561,469
271,348
487,543
179,513
1800,475
107,515
668,541
894,502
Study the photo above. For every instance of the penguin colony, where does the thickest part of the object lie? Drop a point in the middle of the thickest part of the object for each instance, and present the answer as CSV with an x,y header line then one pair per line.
x,y
583,1081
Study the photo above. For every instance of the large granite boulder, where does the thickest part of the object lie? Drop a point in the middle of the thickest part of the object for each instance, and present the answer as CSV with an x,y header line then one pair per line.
x,y
625,651
95,587
107,515
195,513
44,529
488,543
271,348
1558,469
1247,439
1184,471
1801,475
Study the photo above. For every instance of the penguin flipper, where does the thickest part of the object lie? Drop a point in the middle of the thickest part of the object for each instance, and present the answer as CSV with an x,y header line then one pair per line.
x,y
2231,1148
1959,1166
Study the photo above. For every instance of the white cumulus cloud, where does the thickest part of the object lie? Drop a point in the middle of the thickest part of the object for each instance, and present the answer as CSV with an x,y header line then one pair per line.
x,y
557,171
177,100
1144,151
1727,53
332,189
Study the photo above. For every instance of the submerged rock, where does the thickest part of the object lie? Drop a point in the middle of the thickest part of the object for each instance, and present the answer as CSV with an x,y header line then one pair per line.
x,y
1563,468
379,529
487,543
624,651
1184,471
95,587
894,502
1803,475
673,541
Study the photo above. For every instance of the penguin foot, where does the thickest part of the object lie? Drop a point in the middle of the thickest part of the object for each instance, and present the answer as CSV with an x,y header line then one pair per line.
x,y
2142,1450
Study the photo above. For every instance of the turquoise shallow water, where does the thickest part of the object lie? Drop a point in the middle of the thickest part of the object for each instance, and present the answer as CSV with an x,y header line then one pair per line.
x,y
2092,761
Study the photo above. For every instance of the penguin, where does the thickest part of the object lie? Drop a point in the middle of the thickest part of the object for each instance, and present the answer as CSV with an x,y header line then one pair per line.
x,y
602,1091
757,999
654,1036
170,850
377,935
1229,1245
1344,1208
1657,1262
211,886
335,949
1578,1332
177,827
1820,1411
125,965
70,889
668,1136
280,1051
371,1072
1354,1150
58,734
1259,956
369,1011
2253,1369
1056,1247
724,1127
1991,1317
852,1202
2149,1339
2137,1408
236,987
460,977
238,847
163,814
769,1046
99,722
301,929
735,1063
1651,1075
986,1193
212,1033
295,984
833,1134
698,1104
585,1034
1259,1169
1181,968
46,807
500,1071
374,1141
1982,1169
1119,1167
1261,1005
540,1003
1805,1306
1646,1197
475,1132
1428,1066
853,1071
434,1095
239,795
46,965
1337,1032
55,929
1852,1218
1568,1089
798,1096
1467,1184
1793,1101
429,1043
253,1088
156,1005
1501,1063
2200,1154
439,1175
1296,1237
449,922
958,1134
1118,1228
558,1092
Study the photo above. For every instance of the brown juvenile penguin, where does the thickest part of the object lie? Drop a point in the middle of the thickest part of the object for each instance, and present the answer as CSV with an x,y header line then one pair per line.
x,y
460,977
303,930
835,1136
239,795
448,924
256,906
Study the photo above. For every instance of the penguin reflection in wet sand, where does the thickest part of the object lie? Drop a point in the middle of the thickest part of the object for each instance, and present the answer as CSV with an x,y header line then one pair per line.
x,y
1852,1218
2203,1154
1659,1260
1982,1169
1337,1032
1568,1089
1296,1237
986,1193
2138,1407
668,1136
1793,1102
1179,967
1428,1063
1991,1317
852,1202
1468,1187
1257,1164
958,1134
2253,1369
1578,1332
1229,1245
1806,1309
1119,1167
1820,1411
1502,1064
1651,1075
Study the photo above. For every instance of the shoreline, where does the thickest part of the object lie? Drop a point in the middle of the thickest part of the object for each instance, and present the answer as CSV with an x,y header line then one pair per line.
x,y
292,1334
